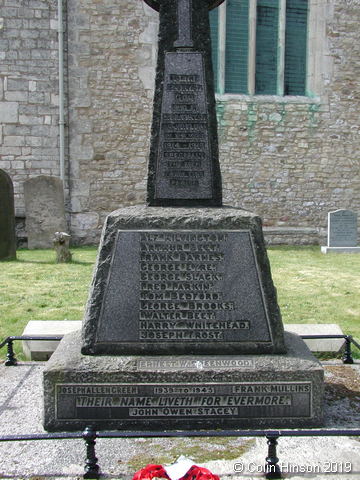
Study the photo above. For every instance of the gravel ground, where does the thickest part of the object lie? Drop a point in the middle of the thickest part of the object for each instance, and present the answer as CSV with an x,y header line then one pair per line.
x,y
317,458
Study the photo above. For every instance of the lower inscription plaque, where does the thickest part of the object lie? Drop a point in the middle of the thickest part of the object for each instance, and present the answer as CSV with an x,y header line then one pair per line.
x,y
149,401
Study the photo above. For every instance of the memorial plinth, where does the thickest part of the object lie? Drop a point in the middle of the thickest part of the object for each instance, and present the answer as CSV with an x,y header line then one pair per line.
x,y
182,326
182,392
182,280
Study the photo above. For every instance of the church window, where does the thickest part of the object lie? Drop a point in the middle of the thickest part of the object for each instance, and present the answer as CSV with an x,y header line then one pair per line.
x,y
260,46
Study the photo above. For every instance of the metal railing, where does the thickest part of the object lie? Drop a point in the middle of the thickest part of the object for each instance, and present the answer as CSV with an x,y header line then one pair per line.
x,y
272,469
9,342
11,359
347,357
90,435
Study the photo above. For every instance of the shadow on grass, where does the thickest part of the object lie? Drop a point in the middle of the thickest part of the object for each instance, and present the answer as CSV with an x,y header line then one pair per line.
x,y
47,262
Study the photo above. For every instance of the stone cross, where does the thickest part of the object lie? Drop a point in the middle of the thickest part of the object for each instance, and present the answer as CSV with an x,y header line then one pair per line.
x,y
184,159
184,26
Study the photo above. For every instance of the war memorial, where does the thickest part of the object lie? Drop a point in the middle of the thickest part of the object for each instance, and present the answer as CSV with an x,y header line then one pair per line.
x,y
182,328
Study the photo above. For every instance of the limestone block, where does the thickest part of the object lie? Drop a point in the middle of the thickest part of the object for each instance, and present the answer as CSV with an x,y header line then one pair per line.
x,y
9,112
42,349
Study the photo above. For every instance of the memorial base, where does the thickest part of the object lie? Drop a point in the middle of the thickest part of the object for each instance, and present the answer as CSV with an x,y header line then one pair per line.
x,y
182,392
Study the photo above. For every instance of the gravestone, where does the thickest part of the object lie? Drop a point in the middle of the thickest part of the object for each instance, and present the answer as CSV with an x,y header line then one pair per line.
x,y
182,327
7,218
45,210
342,232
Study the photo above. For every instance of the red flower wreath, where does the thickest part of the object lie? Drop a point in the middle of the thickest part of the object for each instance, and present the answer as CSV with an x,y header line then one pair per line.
x,y
157,471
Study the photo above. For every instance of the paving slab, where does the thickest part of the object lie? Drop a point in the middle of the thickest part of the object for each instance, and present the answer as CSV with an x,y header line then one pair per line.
x,y
233,458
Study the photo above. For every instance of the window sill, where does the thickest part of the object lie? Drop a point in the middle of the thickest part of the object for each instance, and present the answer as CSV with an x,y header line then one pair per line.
x,y
297,99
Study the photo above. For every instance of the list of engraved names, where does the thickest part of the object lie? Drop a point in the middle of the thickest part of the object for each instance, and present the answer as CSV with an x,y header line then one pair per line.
x,y
184,149
180,287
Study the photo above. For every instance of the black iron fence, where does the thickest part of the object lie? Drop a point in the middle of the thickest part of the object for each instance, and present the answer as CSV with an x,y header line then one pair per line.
x,y
271,466
11,359
9,342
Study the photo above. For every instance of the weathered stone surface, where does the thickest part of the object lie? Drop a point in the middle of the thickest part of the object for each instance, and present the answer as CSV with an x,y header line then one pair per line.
x,y
184,165
342,228
186,392
9,112
41,350
234,311
45,211
61,243
7,218
261,139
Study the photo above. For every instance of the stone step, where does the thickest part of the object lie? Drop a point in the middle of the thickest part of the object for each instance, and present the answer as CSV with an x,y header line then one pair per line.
x,y
321,344
42,349
288,235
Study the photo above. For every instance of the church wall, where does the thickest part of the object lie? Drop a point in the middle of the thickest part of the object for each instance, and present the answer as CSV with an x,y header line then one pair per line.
x,y
28,91
290,159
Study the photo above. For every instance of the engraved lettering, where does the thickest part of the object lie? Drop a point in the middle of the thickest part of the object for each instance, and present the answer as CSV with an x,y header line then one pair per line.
x,y
239,400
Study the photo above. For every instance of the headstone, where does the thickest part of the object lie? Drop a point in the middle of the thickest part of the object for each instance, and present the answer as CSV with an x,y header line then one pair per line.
x,y
182,300
7,218
342,232
45,210
342,228
184,160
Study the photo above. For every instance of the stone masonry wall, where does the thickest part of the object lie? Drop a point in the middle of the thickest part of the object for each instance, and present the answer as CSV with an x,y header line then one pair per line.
x,y
111,76
294,159
289,159
28,91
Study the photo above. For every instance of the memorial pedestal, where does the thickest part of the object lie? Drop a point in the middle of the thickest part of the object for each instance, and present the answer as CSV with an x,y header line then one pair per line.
x,y
182,392
182,328
182,281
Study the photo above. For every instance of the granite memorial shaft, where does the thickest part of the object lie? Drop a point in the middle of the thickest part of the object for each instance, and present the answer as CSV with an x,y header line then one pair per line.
x,y
184,160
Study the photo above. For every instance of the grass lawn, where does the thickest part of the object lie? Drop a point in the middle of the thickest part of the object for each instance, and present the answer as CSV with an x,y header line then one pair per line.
x,y
312,288
317,288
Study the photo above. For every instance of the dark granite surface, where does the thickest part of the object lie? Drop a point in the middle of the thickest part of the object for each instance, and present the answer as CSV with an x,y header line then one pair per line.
x,y
128,392
184,165
7,218
182,280
155,4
